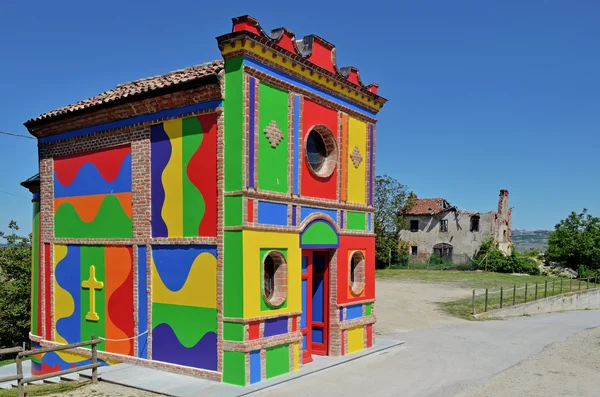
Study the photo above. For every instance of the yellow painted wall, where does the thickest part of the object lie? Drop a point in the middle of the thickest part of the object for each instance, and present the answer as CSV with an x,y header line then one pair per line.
x,y
357,176
253,242
356,339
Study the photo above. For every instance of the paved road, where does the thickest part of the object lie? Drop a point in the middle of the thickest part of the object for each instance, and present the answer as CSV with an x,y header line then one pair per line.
x,y
442,361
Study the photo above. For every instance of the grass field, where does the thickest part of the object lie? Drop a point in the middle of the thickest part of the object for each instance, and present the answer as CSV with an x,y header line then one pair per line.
x,y
479,281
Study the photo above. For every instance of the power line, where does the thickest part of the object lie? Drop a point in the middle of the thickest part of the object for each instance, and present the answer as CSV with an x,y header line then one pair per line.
x,y
12,194
17,135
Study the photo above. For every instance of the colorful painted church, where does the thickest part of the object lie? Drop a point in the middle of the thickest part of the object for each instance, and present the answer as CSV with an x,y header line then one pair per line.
x,y
216,220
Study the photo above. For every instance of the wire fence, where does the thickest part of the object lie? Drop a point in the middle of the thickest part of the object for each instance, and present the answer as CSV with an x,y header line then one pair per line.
x,y
457,262
487,300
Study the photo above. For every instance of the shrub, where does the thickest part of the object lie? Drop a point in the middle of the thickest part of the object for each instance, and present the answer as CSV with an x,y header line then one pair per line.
x,y
495,261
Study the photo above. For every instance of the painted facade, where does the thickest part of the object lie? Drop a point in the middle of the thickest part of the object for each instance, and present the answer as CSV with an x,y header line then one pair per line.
x,y
218,222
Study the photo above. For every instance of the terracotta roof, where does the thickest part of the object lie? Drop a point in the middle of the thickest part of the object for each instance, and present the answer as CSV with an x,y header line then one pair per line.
x,y
429,206
139,87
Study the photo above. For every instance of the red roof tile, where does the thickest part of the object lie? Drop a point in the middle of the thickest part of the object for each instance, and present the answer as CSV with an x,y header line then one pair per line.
x,y
139,87
429,206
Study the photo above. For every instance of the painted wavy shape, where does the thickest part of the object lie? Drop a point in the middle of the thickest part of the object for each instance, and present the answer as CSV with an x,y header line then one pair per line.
x,y
111,221
192,200
107,161
160,154
189,323
58,361
201,172
89,180
87,207
172,180
67,292
119,299
173,263
167,348
199,289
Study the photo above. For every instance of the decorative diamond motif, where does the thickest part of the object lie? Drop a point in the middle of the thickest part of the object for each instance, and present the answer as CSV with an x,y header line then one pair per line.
x,y
273,134
356,157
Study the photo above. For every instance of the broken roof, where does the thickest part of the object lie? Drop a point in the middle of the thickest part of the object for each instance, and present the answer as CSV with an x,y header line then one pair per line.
x,y
137,88
429,206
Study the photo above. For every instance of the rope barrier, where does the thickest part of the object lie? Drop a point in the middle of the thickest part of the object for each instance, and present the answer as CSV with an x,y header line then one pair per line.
x,y
124,339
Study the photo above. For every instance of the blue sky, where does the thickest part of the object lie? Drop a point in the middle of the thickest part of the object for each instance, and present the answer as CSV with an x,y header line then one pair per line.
x,y
482,96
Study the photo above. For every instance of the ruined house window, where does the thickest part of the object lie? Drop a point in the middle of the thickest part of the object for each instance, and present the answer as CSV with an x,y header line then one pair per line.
x,y
414,250
444,225
475,223
443,250
414,226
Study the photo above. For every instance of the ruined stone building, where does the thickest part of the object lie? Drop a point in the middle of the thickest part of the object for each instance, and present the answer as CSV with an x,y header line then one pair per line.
x,y
434,226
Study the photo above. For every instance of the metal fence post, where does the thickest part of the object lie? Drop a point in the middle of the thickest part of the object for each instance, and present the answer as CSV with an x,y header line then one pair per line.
x,y
525,292
94,360
570,284
552,287
501,296
473,301
588,283
561,280
536,289
580,284
20,384
486,300
545,288
514,293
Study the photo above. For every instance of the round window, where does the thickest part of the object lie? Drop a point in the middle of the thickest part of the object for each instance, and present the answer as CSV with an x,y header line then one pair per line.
x,y
357,272
321,151
274,278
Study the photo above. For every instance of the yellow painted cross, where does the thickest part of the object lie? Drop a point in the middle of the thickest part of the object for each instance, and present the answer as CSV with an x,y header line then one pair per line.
x,y
93,285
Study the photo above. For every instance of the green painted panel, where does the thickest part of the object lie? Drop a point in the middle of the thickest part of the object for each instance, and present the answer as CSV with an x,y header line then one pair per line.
x,y
368,309
234,214
189,323
278,360
110,222
93,255
319,233
263,303
356,221
233,108
233,331
193,202
234,368
35,265
233,275
272,161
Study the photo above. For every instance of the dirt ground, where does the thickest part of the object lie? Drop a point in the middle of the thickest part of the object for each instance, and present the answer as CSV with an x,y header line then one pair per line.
x,y
568,368
104,389
407,305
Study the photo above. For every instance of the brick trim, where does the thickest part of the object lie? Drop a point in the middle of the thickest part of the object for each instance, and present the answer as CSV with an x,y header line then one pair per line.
x,y
359,322
262,343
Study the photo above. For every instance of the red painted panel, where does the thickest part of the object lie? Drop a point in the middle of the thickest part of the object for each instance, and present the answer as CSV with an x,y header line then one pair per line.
x,y
287,41
294,323
107,161
250,211
254,330
313,186
322,55
119,295
202,172
47,303
369,335
40,269
348,244
343,352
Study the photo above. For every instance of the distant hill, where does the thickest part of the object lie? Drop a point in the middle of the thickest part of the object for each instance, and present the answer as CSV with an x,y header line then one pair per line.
x,y
526,240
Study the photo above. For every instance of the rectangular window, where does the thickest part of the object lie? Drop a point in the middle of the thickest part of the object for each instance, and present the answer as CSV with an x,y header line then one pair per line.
x,y
414,226
475,224
444,225
413,250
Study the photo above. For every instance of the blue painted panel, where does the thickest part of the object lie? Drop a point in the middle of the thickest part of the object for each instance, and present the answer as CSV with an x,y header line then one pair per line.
x,y
304,264
370,221
304,341
303,316
354,311
342,219
294,209
318,263
165,114
142,303
306,211
317,299
272,213
251,132
341,314
317,335
299,83
296,138
255,366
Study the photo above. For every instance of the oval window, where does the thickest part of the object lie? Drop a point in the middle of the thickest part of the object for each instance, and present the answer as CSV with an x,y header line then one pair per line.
x,y
357,272
274,278
321,151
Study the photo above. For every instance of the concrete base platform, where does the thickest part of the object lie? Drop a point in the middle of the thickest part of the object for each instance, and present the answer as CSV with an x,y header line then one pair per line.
x,y
177,385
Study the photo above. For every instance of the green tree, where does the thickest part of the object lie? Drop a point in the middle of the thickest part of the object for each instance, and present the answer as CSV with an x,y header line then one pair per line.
x,y
15,287
390,197
575,242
